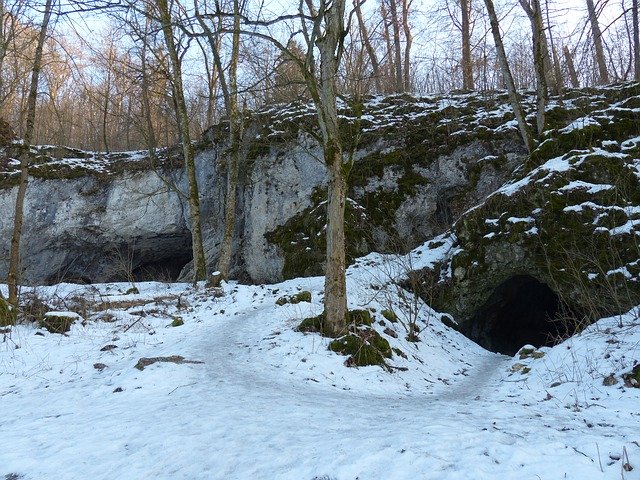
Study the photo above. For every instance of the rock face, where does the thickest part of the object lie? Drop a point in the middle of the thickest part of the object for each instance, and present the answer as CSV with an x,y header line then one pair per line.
x,y
417,164
561,237
86,229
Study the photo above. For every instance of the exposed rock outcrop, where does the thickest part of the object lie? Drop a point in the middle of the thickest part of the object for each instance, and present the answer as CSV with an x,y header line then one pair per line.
x,y
418,163
569,221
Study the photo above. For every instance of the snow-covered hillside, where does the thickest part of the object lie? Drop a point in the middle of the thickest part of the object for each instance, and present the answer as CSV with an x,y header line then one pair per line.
x,y
269,402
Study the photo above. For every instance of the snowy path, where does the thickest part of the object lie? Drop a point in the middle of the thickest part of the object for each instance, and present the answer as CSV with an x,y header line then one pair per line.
x,y
269,403
361,436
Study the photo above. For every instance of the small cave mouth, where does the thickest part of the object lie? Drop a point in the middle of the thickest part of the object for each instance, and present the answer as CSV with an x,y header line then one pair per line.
x,y
520,311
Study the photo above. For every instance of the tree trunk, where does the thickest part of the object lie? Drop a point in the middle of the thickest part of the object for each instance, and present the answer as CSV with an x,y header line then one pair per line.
x,y
408,41
514,98
390,65
465,26
233,162
573,76
375,65
105,110
603,74
636,40
335,287
182,114
25,159
541,62
558,85
397,46
152,143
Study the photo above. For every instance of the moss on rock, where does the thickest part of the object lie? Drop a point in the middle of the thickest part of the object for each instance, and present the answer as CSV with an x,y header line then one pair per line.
x,y
572,223
302,296
390,315
58,322
6,315
366,347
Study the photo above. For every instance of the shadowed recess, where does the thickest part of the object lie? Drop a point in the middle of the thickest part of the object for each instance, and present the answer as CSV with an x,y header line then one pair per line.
x,y
520,311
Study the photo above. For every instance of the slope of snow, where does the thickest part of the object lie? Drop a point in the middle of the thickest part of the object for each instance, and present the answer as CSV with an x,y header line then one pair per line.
x,y
269,402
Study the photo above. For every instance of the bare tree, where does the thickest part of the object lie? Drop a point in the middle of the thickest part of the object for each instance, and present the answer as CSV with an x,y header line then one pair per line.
x,y
603,74
514,98
573,75
13,276
328,34
636,40
465,29
366,40
323,30
541,59
182,114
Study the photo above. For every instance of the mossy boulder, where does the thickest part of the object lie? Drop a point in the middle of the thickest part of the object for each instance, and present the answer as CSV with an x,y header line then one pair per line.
x,y
364,347
58,322
6,315
302,296
569,218
356,319
632,378
390,315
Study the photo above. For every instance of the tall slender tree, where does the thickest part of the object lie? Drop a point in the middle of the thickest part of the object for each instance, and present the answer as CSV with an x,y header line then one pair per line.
x,y
366,40
13,277
465,30
514,98
636,40
603,73
541,58
182,114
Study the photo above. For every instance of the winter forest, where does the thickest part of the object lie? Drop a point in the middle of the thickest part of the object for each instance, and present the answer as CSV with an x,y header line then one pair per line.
x,y
320,240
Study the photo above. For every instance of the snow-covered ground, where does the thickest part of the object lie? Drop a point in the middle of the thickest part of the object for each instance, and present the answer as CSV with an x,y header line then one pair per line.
x,y
273,403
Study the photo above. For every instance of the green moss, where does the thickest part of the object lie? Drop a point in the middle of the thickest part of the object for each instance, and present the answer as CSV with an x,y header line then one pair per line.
x,y
177,322
390,315
632,378
6,316
302,239
57,322
360,317
356,319
312,324
303,296
366,347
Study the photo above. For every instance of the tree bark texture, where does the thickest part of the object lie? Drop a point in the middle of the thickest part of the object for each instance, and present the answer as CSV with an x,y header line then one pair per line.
x,y
199,264
397,46
335,289
465,27
541,61
514,98
573,75
408,42
25,159
636,40
603,74
373,57
233,160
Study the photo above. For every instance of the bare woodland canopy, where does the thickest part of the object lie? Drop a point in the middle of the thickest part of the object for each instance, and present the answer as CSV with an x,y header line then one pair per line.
x,y
106,81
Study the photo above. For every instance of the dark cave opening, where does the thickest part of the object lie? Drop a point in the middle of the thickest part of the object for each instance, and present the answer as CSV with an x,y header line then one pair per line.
x,y
163,269
520,311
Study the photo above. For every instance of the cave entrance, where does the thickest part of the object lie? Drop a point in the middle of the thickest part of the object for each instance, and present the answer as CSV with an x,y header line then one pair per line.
x,y
520,311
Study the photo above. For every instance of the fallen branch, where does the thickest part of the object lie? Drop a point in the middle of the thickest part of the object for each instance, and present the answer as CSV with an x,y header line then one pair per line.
x,y
145,362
